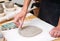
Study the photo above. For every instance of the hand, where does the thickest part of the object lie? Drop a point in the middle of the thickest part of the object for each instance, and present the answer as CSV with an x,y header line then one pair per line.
x,y
19,18
55,32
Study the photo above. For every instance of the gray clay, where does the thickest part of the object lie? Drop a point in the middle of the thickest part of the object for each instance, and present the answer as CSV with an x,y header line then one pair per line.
x,y
1,9
29,31
9,5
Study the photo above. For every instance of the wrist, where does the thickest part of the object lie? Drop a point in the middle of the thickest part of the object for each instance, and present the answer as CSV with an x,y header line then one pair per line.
x,y
58,25
24,9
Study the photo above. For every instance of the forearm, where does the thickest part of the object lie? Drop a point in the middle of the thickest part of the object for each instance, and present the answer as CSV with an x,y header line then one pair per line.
x,y
59,22
26,4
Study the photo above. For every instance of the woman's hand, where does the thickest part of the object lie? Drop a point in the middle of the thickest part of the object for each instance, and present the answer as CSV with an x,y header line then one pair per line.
x,y
19,18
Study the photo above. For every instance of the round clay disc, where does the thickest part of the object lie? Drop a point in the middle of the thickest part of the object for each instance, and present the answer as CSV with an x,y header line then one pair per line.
x,y
30,31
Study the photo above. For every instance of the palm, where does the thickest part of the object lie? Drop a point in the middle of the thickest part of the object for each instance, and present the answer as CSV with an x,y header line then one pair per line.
x,y
19,18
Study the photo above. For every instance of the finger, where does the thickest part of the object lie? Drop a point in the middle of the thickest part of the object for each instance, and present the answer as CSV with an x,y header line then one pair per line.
x,y
21,22
16,22
52,33
15,19
56,34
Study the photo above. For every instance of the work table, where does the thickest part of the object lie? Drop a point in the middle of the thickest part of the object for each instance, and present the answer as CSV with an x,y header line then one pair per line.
x,y
13,35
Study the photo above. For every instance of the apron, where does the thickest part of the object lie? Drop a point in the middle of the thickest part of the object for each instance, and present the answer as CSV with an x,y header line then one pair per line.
x,y
49,12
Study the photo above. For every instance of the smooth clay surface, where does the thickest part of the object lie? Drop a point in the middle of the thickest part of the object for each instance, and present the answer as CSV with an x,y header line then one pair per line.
x,y
30,31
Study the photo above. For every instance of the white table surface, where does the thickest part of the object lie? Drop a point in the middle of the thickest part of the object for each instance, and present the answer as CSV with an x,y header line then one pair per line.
x,y
13,35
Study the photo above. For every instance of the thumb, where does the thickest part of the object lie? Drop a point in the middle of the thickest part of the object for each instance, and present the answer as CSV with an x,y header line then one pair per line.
x,y
16,19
